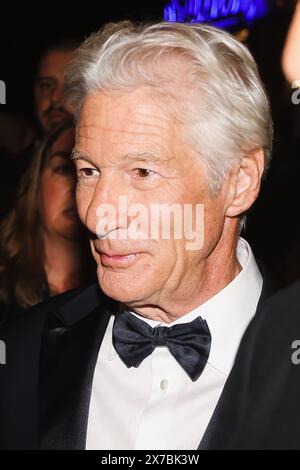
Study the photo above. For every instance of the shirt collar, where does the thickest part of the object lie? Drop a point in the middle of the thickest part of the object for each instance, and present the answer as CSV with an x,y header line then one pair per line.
x,y
227,313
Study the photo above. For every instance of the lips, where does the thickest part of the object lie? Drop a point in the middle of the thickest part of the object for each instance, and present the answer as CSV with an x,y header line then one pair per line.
x,y
113,254
56,116
118,259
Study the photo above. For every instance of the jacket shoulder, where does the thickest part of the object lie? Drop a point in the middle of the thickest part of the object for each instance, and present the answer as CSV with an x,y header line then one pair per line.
x,y
260,404
36,316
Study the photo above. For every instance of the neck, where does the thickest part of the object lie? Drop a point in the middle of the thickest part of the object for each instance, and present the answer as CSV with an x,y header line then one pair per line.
x,y
63,263
212,275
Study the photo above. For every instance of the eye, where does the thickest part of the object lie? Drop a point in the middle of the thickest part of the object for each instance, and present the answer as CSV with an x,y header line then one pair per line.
x,y
64,169
45,85
143,172
87,172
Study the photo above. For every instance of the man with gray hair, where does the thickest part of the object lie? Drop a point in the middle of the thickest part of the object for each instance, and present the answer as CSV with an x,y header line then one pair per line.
x,y
173,128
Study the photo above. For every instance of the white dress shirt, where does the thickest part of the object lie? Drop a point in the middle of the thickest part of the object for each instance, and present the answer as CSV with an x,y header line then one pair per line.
x,y
157,406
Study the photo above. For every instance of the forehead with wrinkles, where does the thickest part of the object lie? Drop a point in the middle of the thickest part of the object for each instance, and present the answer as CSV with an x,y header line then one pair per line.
x,y
134,122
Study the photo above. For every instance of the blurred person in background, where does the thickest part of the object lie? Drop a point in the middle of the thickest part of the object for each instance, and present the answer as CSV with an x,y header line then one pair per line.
x,y
43,249
18,147
17,135
50,107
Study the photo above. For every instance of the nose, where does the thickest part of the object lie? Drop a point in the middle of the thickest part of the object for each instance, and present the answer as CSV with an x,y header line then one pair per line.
x,y
107,210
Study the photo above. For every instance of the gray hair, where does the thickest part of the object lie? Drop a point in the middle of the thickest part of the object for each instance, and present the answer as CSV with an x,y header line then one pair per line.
x,y
224,109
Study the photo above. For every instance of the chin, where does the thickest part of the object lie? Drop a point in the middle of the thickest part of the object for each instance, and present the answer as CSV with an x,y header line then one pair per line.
x,y
124,286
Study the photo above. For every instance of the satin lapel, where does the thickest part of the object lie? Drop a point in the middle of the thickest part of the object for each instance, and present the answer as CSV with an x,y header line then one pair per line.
x,y
69,355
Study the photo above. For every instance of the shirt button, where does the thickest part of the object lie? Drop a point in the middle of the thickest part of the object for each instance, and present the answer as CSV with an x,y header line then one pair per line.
x,y
164,384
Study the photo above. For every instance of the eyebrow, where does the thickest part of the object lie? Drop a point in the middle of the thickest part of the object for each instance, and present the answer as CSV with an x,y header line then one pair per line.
x,y
76,155
142,157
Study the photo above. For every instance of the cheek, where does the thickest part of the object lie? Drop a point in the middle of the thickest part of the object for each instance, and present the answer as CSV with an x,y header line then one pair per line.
x,y
41,104
55,196
213,223
167,257
47,201
47,198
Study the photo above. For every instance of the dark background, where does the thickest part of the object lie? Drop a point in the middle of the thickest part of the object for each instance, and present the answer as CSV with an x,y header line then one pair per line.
x,y
26,28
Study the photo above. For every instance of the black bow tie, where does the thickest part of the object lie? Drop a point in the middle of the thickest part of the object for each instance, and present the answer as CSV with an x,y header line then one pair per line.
x,y
189,343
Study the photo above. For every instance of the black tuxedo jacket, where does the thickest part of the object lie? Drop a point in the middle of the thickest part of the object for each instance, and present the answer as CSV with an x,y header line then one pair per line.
x,y
260,406
51,353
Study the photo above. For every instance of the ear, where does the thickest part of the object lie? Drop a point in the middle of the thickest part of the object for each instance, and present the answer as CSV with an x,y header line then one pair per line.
x,y
244,183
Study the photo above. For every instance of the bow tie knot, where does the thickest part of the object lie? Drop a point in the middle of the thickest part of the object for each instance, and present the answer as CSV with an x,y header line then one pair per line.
x,y
159,336
189,343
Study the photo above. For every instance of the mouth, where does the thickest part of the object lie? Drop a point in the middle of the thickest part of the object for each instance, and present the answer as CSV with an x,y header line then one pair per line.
x,y
118,259
56,115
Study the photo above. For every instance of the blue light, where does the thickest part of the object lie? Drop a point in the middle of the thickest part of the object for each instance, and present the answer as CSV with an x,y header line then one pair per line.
x,y
223,13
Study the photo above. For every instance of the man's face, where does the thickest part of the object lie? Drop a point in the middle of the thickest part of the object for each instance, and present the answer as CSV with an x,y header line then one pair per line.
x,y
49,105
128,145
